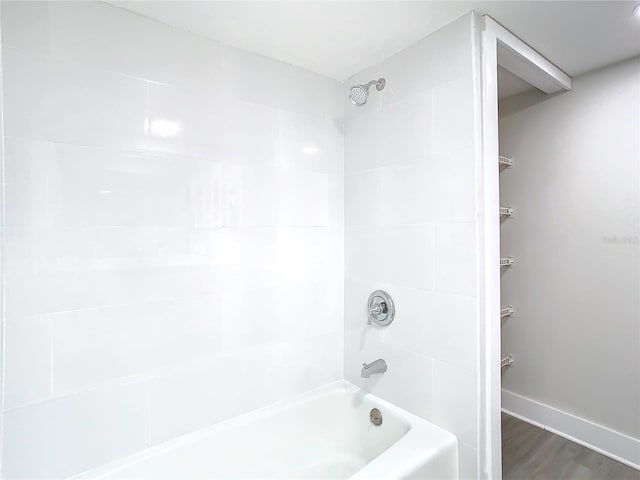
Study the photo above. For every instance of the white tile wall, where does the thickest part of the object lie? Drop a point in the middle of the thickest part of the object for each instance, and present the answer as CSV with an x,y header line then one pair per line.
x,y
27,357
26,25
410,216
65,435
169,222
181,400
397,254
47,98
141,48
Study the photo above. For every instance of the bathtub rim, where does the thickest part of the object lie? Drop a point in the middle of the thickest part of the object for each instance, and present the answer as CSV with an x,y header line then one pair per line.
x,y
408,452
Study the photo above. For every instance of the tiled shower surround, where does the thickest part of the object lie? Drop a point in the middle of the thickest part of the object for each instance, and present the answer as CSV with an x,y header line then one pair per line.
x,y
410,229
174,234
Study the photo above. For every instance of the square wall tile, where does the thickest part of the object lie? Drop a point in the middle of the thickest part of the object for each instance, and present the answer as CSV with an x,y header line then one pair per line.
x,y
27,371
303,199
26,25
310,143
190,398
210,125
142,48
455,402
94,346
456,270
119,188
51,99
281,86
436,325
453,102
467,462
420,66
363,198
62,437
44,277
399,255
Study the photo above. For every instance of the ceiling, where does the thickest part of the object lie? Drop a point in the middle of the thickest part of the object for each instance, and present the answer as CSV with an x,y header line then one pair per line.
x,y
340,38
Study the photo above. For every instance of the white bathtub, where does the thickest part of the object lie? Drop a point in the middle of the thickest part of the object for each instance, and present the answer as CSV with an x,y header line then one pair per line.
x,y
324,434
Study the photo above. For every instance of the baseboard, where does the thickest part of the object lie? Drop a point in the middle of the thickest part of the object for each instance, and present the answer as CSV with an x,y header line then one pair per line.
x,y
616,445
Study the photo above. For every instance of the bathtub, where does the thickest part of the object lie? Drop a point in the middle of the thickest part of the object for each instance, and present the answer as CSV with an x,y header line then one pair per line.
x,y
324,434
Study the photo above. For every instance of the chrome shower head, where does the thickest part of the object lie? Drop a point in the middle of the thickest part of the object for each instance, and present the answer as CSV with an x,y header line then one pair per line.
x,y
360,93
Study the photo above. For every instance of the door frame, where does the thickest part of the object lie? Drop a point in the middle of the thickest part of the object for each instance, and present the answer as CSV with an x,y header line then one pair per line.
x,y
499,47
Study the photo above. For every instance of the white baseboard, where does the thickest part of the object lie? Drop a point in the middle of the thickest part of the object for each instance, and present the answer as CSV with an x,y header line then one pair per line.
x,y
620,447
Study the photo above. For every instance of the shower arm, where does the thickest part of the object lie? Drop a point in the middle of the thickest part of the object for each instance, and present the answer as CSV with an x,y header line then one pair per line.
x,y
379,84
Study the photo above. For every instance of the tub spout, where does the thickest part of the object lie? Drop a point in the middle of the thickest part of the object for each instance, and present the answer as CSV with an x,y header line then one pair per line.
x,y
377,366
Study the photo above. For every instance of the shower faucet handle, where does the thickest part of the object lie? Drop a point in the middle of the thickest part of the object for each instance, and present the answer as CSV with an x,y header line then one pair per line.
x,y
381,308
378,308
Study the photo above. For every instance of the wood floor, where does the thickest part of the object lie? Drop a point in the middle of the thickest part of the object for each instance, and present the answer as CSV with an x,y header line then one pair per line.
x,y
531,453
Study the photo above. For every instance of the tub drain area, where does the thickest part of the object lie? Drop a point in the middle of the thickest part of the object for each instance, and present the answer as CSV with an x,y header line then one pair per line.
x,y
375,416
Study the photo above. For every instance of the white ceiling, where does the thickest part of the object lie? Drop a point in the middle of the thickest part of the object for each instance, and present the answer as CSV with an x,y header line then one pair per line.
x,y
340,38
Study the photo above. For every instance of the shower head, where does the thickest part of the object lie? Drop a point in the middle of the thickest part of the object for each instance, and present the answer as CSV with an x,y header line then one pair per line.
x,y
359,93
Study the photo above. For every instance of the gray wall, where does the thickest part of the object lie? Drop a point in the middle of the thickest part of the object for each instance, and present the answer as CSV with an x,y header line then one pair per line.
x,y
575,286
